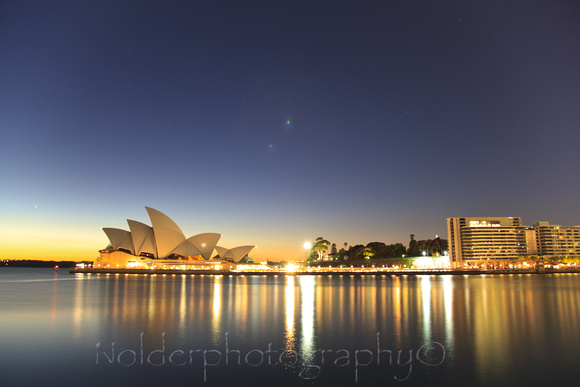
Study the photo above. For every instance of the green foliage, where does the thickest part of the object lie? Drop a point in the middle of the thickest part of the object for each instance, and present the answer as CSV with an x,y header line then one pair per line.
x,y
356,252
377,251
430,246
571,260
368,253
318,248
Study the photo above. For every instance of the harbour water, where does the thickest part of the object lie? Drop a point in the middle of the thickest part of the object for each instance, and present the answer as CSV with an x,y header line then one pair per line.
x,y
64,329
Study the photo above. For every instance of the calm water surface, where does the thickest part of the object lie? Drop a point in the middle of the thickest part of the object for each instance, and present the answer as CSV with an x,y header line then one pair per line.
x,y
61,329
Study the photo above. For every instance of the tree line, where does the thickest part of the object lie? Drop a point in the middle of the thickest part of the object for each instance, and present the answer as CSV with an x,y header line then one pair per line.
x,y
323,249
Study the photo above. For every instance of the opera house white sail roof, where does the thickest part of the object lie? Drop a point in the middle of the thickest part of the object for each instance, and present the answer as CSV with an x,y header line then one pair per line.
x,y
164,238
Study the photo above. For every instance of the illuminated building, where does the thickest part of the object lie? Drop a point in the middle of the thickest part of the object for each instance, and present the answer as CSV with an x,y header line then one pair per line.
x,y
555,240
481,241
163,245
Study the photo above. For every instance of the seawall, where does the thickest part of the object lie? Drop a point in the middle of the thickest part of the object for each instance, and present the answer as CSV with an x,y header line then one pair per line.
x,y
74,270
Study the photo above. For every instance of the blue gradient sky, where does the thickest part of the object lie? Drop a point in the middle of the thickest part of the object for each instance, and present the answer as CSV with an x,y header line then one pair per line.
x,y
274,123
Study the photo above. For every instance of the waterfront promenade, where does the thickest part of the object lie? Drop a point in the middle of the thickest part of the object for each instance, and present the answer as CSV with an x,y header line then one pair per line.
x,y
322,271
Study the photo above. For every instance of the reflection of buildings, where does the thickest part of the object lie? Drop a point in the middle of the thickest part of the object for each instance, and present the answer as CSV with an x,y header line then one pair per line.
x,y
483,240
165,246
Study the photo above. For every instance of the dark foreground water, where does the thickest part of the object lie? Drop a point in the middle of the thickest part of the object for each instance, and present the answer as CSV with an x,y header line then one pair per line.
x,y
111,330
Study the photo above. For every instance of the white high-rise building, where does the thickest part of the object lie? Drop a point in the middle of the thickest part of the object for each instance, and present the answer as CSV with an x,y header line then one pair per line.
x,y
557,241
485,241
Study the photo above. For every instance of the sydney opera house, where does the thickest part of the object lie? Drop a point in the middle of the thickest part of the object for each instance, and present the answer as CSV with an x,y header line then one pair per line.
x,y
164,246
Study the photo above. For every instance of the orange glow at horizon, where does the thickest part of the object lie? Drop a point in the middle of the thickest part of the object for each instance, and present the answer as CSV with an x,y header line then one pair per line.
x,y
54,251
29,238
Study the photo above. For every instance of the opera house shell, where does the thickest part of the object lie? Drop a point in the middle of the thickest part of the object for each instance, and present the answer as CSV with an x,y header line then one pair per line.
x,y
163,245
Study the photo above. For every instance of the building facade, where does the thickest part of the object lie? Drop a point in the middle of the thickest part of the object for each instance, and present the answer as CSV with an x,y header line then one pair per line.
x,y
485,241
556,240
489,241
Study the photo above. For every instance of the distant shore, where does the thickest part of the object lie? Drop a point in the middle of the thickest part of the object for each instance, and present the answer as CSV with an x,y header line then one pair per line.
x,y
75,270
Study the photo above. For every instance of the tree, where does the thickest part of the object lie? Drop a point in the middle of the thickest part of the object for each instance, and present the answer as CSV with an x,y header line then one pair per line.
x,y
333,249
413,248
400,250
380,250
320,246
355,252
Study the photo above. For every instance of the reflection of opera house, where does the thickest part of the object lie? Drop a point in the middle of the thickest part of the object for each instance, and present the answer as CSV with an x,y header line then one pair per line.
x,y
164,246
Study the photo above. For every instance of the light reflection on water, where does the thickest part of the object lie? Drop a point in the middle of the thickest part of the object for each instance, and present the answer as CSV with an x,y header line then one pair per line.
x,y
307,344
426,302
497,329
289,339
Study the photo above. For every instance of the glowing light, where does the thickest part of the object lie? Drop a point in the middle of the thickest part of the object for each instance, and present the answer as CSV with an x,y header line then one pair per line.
x,y
216,299
484,223
307,290
307,245
291,268
290,310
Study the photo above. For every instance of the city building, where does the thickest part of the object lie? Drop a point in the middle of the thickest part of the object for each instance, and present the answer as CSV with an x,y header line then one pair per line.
x,y
557,241
485,241
163,246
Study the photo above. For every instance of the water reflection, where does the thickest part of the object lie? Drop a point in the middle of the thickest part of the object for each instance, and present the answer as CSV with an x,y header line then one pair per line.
x,y
307,344
289,339
182,305
78,309
448,308
54,300
426,310
217,298
495,329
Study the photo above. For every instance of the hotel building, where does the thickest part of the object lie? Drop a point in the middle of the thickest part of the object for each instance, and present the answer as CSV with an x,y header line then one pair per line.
x,y
554,241
491,241
478,241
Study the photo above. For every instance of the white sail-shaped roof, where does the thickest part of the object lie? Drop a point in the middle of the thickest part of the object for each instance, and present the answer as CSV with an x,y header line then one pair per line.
x,y
205,243
143,238
200,244
237,253
119,238
167,233
165,237
186,249
223,252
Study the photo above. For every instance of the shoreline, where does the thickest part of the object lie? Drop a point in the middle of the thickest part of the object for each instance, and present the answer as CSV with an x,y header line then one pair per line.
x,y
75,270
